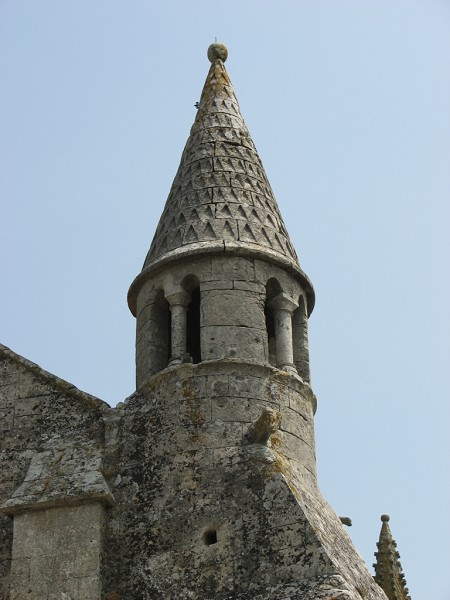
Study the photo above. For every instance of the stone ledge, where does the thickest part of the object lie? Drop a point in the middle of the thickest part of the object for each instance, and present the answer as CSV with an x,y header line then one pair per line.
x,y
219,247
227,366
60,477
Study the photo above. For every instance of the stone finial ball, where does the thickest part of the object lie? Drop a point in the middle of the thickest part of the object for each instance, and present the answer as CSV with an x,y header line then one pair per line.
x,y
217,51
385,518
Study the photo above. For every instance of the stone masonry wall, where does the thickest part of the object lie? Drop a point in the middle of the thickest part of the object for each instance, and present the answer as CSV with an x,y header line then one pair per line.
x,y
212,469
216,496
39,415
176,476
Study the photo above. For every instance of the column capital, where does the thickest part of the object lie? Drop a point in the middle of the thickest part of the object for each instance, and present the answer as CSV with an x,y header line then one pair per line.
x,y
179,298
282,302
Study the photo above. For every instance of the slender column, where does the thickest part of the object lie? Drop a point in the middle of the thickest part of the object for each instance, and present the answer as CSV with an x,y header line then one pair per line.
x,y
300,337
282,307
178,303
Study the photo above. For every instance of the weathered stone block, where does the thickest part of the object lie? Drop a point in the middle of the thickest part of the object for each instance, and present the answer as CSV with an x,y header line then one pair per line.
x,y
217,434
54,548
197,152
299,427
30,405
250,286
217,384
88,588
231,196
289,285
191,169
218,307
8,393
233,268
246,385
30,385
6,418
301,405
233,341
234,151
304,475
216,285
238,409
230,164
295,448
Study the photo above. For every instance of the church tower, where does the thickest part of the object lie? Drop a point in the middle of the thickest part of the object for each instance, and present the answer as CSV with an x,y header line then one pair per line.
x,y
221,262
202,484
218,441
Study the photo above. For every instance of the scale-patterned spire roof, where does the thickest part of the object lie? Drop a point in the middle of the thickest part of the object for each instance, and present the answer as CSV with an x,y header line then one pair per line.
x,y
220,199
388,570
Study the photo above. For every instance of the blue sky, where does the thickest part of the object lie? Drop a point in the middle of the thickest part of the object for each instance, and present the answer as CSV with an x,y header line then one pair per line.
x,y
348,105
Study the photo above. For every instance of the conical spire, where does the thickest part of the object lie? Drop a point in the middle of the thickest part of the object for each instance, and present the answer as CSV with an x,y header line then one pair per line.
x,y
221,200
388,570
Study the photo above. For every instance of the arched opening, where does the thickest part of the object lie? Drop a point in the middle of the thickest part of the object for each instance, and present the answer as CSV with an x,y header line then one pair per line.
x,y
271,342
193,327
193,346
273,288
300,339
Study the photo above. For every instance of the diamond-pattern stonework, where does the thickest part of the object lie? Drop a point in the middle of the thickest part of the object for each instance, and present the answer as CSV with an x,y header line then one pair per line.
x,y
220,193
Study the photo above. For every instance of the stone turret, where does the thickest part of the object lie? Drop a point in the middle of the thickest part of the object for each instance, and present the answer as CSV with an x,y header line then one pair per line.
x,y
221,260
220,459
388,570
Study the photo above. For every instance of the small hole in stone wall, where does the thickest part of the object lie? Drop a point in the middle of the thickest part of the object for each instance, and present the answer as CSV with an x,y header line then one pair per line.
x,y
210,537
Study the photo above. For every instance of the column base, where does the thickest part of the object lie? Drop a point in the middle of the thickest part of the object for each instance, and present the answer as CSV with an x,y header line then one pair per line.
x,y
178,360
289,367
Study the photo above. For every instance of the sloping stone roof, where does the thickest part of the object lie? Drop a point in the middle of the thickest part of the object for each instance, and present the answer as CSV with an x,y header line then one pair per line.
x,y
60,384
220,199
220,193
388,570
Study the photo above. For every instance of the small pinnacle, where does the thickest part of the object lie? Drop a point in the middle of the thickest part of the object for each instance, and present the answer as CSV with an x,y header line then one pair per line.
x,y
217,52
388,570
